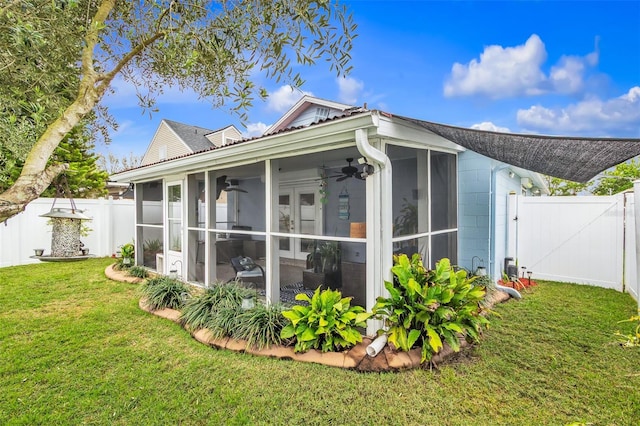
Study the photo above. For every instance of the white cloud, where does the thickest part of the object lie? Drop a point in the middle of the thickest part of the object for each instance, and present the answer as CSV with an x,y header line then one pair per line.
x,y
500,72
619,115
568,76
512,71
255,129
349,89
284,98
489,126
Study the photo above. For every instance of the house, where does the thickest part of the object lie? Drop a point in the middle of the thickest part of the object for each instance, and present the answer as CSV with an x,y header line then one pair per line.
x,y
173,139
331,192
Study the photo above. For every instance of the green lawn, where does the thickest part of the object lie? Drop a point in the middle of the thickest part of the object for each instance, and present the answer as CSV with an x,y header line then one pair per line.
x,y
76,349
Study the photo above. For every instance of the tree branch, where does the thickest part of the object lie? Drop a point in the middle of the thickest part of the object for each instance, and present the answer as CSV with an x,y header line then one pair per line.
x,y
26,189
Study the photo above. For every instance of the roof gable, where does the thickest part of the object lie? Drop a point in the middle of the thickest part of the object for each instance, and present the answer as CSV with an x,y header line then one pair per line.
x,y
194,137
301,107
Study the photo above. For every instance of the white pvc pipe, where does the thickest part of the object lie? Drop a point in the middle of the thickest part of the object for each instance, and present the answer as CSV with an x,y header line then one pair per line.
x,y
376,346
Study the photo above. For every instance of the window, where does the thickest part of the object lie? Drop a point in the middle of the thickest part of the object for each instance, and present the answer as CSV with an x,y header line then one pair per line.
x,y
321,113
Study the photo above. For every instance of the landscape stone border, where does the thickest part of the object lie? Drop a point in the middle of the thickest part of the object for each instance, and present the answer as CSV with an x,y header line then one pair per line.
x,y
116,275
356,358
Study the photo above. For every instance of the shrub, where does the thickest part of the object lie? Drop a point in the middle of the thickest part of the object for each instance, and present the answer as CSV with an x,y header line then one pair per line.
x,y
138,271
427,307
198,311
328,322
224,320
261,326
165,292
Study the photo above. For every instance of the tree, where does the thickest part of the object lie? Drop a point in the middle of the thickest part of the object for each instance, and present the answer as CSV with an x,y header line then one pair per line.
x,y
562,187
114,164
619,179
212,47
83,178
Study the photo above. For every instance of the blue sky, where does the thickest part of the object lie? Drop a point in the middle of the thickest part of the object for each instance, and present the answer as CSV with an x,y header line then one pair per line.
x,y
548,67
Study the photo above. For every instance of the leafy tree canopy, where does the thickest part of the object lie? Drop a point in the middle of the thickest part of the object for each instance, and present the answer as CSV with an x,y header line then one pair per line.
x,y
58,58
618,179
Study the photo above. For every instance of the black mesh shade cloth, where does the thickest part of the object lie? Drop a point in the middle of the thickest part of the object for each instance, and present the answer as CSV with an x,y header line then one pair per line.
x,y
572,158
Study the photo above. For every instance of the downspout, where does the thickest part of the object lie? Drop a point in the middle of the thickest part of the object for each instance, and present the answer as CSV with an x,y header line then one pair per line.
x,y
379,222
492,247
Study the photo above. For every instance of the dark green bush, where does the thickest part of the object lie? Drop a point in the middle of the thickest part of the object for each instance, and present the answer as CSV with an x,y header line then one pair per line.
x,y
261,325
165,292
199,311
138,272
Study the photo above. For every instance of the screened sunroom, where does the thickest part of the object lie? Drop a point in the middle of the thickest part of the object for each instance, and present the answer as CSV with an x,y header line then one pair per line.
x,y
323,205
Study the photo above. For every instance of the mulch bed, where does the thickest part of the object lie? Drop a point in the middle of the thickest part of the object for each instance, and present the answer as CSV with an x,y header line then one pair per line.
x,y
355,358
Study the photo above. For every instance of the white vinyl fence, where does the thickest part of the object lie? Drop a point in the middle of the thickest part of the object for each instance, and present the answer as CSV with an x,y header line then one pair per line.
x,y
112,225
585,239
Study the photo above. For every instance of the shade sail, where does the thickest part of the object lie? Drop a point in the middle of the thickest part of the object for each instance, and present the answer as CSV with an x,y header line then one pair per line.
x,y
571,158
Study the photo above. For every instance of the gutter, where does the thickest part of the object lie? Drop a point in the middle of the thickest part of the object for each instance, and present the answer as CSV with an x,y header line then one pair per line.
x,y
492,247
379,222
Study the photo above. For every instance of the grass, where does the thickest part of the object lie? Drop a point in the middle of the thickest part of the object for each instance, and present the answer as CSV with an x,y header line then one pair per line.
x,y
76,349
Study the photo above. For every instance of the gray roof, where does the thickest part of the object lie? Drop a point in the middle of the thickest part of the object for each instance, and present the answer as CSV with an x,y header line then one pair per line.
x,y
193,136
572,158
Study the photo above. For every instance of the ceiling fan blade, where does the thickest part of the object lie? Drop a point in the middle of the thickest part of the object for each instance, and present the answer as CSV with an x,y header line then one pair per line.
x,y
341,178
236,189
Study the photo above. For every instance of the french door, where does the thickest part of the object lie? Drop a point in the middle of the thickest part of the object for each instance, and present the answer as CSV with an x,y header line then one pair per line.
x,y
300,213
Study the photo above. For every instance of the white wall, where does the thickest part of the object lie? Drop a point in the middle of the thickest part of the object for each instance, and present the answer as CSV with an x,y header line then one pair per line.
x,y
111,226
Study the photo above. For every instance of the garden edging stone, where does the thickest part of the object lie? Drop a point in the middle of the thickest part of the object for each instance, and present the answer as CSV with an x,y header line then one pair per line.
x,y
355,358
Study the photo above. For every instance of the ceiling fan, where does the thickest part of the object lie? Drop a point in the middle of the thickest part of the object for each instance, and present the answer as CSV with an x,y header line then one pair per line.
x,y
349,171
231,185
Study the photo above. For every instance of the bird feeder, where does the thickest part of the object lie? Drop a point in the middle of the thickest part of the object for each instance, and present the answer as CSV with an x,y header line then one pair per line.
x,y
67,226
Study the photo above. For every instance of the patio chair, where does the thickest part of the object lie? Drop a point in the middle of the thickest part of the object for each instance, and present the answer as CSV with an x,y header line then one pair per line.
x,y
246,268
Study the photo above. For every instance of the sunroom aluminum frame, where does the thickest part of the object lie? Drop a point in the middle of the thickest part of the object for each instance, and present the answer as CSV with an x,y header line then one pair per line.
x,y
368,131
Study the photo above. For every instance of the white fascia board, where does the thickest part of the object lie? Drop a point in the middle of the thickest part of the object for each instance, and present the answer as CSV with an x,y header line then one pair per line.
x,y
319,137
394,128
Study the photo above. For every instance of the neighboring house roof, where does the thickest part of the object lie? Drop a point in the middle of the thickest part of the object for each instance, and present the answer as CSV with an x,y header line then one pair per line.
x,y
193,136
299,107
572,158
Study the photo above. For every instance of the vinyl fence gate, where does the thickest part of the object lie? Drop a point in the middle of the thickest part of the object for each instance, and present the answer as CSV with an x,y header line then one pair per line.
x,y
586,240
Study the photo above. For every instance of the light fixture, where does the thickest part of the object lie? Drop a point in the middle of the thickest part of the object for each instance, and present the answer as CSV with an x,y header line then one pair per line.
x,y
524,269
526,183
529,273
247,303
367,170
511,174
480,271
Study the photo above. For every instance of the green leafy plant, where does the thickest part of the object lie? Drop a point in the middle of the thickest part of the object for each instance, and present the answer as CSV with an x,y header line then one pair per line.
x,y
127,257
261,326
138,272
632,339
165,292
327,323
428,307
198,311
